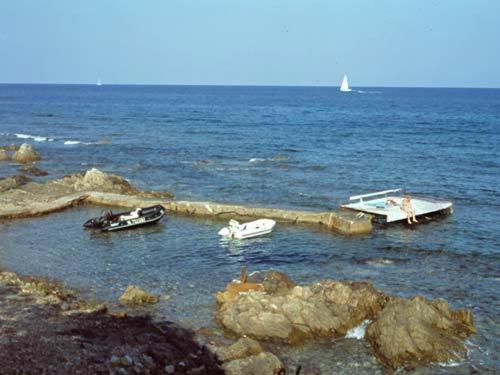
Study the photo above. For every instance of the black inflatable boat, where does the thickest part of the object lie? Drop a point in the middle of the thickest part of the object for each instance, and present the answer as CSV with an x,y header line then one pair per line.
x,y
140,216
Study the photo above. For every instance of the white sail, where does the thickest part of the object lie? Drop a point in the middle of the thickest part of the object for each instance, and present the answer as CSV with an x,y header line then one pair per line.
x,y
344,87
99,83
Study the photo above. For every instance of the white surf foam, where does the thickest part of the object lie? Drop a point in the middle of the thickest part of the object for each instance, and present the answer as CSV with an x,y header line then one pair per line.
x,y
359,331
71,142
256,160
36,138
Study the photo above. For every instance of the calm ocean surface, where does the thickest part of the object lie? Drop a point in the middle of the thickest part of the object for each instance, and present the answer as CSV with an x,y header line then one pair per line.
x,y
300,147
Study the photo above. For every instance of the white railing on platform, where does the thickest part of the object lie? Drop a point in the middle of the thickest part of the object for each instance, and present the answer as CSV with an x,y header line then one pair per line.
x,y
360,197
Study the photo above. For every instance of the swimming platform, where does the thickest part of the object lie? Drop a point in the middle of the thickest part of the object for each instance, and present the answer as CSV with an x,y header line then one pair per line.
x,y
386,205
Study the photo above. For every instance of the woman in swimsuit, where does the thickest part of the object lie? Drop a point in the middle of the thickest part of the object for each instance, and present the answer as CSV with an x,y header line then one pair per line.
x,y
406,207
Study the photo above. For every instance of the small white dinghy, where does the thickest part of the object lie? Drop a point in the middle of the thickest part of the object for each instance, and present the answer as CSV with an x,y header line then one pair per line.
x,y
248,230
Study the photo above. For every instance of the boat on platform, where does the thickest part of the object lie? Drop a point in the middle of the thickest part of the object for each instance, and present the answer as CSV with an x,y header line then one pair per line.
x,y
386,206
252,229
110,221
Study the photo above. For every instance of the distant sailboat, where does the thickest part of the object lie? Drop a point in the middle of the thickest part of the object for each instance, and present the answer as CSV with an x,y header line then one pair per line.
x,y
344,87
99,83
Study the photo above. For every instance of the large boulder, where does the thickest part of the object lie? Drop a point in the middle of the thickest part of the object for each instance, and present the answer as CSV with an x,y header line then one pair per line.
x,y
410,332
134,295
279,311
26,154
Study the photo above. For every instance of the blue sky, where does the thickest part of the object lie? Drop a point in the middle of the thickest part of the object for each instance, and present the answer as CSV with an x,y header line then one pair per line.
x,y
447,43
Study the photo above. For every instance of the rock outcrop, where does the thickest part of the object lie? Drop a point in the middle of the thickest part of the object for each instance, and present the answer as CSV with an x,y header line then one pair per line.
x,y
409,332
277,310
134,295
96,180
26,154
403,332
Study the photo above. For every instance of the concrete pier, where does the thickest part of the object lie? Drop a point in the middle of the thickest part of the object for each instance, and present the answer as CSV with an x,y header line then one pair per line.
x,y
344,222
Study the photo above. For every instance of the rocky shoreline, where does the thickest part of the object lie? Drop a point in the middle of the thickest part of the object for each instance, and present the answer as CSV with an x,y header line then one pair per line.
x,y
45,328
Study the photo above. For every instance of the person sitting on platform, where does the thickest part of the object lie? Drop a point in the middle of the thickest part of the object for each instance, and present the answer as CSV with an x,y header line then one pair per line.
x,y
409,211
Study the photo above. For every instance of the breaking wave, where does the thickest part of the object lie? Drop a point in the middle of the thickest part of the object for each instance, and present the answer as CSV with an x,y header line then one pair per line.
x,y
36,138
358,332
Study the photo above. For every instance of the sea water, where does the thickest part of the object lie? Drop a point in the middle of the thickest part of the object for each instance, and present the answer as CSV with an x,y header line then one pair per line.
x,y
296,147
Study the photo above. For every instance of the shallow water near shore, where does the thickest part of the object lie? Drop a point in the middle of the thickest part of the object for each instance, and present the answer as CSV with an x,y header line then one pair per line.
x,y
306,148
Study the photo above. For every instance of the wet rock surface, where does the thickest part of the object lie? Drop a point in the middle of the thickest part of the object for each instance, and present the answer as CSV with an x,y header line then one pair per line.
x,y
25,154
403,332
69,335
410,332
246,356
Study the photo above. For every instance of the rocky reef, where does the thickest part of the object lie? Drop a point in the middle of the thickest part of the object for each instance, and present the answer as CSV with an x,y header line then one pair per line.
x,y
269,306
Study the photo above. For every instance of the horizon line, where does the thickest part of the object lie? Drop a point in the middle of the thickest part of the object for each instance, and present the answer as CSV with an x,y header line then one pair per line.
x,y
245,85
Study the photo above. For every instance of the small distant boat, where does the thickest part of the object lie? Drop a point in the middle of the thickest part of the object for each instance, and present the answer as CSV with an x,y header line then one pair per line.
x,y
138,217
247,230
344,87
99,83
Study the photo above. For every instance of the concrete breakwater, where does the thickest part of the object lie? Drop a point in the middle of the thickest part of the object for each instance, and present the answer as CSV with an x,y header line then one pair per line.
x,y
96,187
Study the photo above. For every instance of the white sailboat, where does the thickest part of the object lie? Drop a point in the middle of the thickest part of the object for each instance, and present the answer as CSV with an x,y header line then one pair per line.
x,y
344,87
99,83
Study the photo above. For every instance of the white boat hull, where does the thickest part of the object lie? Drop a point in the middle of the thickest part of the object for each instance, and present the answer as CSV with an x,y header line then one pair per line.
x,y
252,229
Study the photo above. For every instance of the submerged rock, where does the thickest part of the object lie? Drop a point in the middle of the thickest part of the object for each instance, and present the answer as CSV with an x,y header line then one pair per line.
x,y
13,182
136,296
277,310
261,364
26,154
415,331
33,170
244,347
